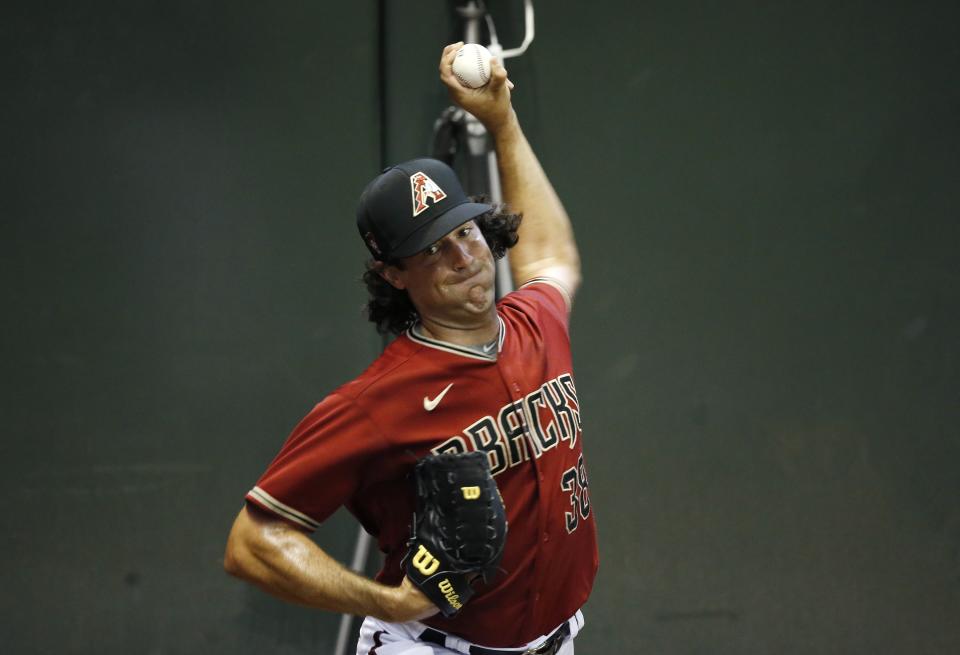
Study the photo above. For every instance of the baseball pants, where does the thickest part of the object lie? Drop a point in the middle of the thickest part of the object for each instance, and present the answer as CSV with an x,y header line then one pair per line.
x,y
381,638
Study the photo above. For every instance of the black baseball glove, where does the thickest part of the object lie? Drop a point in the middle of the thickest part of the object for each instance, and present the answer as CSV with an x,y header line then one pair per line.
x,y
459,528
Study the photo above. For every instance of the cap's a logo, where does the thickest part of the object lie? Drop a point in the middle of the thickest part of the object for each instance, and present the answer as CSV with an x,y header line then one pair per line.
x,y
423,187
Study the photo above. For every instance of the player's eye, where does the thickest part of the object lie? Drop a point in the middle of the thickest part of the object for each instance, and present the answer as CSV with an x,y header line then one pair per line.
x,y
465,231
433,250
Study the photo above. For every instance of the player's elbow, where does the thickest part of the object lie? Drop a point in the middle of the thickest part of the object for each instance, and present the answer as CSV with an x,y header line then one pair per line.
x,y
230,564
238,551
232,560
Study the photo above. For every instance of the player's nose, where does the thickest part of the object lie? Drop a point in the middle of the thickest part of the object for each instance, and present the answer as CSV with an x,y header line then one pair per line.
x,y
460,255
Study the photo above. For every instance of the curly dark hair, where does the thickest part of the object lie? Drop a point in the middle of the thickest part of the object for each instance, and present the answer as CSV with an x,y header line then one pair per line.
x,y
391,310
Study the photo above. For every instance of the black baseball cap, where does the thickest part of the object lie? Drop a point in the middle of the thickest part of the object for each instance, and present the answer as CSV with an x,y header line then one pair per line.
x,y
412,205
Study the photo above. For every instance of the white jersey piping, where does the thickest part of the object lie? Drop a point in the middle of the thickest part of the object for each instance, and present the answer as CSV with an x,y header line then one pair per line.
x,y
456,349
283,510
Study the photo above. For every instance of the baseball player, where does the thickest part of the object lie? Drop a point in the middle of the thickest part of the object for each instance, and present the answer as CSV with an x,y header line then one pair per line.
x,y
465,373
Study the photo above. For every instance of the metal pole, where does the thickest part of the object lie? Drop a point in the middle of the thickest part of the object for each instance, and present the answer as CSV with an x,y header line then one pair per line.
x,y
358,562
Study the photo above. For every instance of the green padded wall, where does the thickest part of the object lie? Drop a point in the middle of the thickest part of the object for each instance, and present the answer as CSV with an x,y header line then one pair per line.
x,y
765,196
180,286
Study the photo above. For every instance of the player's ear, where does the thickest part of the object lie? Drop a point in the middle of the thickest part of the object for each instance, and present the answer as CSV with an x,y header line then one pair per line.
x,y
391,274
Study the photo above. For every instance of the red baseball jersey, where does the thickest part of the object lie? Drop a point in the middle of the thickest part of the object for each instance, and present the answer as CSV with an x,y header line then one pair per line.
x,y
518,405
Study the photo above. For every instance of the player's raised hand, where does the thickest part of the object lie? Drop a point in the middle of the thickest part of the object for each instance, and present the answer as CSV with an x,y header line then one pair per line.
x,y
489,103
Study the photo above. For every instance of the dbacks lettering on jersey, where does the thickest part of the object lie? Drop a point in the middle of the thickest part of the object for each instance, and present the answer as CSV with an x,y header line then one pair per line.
x,y
538,422
422,188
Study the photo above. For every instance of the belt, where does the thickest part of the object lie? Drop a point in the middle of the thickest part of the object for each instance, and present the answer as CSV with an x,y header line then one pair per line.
x,y
548,647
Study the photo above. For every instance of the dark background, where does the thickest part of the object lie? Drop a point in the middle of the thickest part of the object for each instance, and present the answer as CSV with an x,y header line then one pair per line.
x,y
766,342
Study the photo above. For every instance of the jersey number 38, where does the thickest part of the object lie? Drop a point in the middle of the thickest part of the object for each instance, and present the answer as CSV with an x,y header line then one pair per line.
x,y
574,480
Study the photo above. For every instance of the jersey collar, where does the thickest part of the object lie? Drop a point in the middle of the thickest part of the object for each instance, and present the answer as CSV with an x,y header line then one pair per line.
x,y
414,334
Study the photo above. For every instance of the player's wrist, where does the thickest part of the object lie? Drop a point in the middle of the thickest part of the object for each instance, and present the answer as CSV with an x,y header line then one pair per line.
x,y
386,603
507,136
404,603
504,127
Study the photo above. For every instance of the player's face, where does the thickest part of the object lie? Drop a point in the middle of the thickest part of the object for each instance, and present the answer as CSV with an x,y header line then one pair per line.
x,y
453,279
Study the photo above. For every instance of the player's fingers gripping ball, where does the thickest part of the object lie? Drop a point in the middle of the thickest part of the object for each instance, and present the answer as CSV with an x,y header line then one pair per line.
x,y
459,528
472,65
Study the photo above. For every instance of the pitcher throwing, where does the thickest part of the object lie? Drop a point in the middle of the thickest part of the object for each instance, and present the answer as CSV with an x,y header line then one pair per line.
x,y
465,374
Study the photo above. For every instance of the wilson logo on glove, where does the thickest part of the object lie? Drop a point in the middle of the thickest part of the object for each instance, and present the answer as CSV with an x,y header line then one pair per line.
x,y
424,562
459,528
447,590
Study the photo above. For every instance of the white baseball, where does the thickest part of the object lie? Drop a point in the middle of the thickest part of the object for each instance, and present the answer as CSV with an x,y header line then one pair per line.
x,y
472,65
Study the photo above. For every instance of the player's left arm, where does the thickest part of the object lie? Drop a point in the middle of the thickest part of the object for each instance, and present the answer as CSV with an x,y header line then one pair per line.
x,y
547,247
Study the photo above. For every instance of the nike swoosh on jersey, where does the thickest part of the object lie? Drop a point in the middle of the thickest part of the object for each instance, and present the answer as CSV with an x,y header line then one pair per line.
x,y
430,405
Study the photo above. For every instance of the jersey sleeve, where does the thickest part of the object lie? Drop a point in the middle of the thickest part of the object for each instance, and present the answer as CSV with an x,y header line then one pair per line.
x,y
545,294
321,464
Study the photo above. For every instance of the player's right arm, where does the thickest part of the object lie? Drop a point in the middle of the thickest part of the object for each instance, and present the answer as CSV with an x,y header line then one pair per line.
x,y
547,247
285,562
